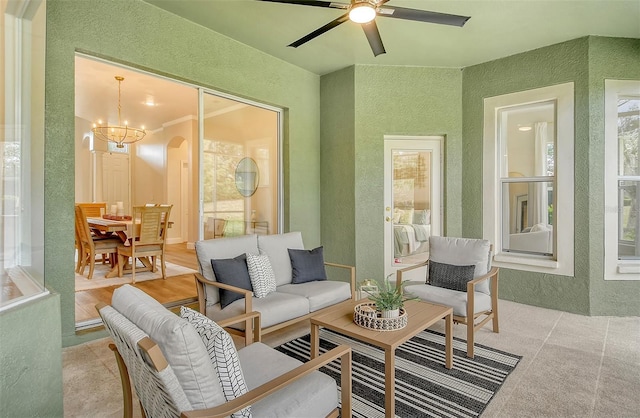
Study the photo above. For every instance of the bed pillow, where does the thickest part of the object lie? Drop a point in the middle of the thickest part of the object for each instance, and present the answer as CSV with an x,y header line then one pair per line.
x,y
223,355
406,217
422,217
450,276
307,265
231,271
263,279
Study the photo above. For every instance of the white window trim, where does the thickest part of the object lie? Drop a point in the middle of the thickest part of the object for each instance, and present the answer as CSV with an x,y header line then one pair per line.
x,y
562,263
615,269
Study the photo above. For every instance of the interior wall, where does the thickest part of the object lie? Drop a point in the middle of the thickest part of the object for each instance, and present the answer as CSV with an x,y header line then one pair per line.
x,y
386,101
140,35
586,62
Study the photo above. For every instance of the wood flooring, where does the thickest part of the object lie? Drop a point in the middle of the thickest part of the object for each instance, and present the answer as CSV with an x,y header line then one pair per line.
x,y
174,290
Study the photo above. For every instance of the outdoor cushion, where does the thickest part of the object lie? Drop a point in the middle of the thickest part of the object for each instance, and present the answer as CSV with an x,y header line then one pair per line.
x,y
307,265
447,297
274,308
460,251
263,280
179,342
319,293
314,395
206,250
450,276
234,272
223,355
275,246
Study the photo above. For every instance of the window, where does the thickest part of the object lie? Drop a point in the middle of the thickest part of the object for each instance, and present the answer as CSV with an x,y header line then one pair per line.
x,y
528,203
622,180
21,150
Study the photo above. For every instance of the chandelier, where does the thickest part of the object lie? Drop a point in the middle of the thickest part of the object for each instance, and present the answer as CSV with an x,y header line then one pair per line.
x,y
120,134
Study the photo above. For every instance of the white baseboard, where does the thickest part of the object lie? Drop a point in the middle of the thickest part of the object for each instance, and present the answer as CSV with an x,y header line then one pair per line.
x,y
174,240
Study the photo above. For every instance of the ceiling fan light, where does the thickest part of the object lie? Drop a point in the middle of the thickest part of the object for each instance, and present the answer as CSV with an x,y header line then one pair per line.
x,y
362,13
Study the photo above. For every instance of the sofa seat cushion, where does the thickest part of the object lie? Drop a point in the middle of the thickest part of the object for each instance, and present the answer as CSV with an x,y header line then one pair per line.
x,y
314,395
178,341
274,308
276,247
447,297
210,249
319,293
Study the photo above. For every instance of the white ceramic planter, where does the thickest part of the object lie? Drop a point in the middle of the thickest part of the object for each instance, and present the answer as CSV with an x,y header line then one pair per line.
x,y
391,314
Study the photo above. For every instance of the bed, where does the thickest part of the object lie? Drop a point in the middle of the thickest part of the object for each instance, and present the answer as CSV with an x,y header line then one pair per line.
x,y
411,231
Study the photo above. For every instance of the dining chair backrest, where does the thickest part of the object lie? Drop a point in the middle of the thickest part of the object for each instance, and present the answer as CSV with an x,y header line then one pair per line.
x,y
83,232
153,224
94,210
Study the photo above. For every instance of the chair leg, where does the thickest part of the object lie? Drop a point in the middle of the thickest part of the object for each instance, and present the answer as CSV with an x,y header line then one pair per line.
x,y
470,334
133,270
92,264
121,261
126,383
162,266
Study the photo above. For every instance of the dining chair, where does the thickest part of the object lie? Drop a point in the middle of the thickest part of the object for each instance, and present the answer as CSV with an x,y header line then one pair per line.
x,y
148,241
90,247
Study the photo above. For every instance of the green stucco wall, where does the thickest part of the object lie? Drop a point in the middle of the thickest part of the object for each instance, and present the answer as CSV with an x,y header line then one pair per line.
x,y
31,359
618,59
387,101
142,36
585,62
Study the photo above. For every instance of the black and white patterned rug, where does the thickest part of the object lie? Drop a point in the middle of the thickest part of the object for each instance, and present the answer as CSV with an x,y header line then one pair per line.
x,y
424,387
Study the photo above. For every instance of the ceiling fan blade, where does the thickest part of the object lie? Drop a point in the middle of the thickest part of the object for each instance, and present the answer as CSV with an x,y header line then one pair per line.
x,y
315,3
373,36
320,31
422,16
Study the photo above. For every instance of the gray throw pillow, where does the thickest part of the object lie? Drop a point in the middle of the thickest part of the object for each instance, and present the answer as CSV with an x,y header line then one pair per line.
x,y
450,276
234,272
307,265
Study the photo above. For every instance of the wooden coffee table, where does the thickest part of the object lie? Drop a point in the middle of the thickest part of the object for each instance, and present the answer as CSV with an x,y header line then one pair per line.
x,y
421,316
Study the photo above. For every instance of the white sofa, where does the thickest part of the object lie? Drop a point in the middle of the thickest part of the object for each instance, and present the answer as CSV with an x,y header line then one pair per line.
x,y
538,239
290,303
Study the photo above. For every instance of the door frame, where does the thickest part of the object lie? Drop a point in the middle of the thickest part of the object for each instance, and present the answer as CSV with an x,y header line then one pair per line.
x,y
433,144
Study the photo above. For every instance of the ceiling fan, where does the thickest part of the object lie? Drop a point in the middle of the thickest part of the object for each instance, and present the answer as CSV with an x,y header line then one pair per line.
x,y
364,12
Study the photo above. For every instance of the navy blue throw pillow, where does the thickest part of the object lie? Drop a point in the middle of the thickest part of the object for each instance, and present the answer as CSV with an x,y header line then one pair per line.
x,y
450,276
307,265
234,272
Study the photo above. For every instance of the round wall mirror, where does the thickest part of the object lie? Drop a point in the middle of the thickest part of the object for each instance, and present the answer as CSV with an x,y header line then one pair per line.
x,y
247,177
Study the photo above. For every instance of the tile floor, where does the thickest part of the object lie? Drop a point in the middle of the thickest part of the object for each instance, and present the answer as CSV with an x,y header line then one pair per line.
x,y
572,366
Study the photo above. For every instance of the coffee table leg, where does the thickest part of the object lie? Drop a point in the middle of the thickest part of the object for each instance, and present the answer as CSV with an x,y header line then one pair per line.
x,y
448,347
390,383
315,340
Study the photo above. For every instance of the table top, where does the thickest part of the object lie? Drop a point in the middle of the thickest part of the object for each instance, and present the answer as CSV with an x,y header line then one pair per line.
x,y
108,225
421,316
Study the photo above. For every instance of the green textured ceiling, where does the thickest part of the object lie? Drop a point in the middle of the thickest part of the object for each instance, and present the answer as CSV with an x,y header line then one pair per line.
x,y
497,28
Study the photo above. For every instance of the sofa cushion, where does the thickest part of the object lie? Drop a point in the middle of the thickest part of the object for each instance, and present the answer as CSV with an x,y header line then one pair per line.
x,y
178,341
223,355
319,293
234,272
450,276
314,395
275,246
447,297
463,251
274,308
307,265
206,250
263,280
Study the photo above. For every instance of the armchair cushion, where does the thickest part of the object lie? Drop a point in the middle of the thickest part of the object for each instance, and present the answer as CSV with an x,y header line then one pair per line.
x,y
307,265
447,297
315,395
263,280
223,355
450,276
179,342
234,272
462,251
275,246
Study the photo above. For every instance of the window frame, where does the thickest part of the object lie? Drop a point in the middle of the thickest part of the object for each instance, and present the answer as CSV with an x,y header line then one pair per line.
x,y
562,260
614,268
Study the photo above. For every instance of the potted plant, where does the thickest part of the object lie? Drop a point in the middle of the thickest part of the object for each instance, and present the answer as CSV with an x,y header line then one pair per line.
x,y
389,298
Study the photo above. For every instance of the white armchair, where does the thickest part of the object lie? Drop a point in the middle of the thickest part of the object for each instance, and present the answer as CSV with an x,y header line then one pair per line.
x,y
462,278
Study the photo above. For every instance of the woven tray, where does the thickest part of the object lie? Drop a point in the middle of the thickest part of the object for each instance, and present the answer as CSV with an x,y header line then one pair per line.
x,y
366,316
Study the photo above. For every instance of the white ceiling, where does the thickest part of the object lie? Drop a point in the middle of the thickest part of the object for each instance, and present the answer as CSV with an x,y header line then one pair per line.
x,y
497,28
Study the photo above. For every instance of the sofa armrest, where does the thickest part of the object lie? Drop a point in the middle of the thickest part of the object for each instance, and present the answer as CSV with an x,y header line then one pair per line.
x,y
343,352
202,294
251,320
352,272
